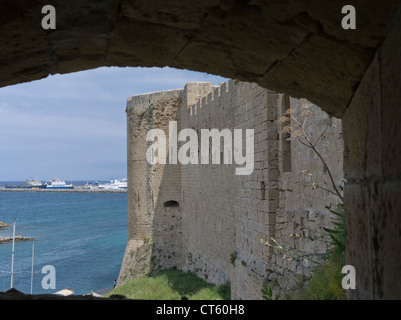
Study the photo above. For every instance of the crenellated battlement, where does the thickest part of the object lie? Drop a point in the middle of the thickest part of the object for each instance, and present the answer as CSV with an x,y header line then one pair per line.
x,y
202,95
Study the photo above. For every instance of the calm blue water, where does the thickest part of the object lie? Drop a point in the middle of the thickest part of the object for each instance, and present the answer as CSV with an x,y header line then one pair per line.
x,y
83,235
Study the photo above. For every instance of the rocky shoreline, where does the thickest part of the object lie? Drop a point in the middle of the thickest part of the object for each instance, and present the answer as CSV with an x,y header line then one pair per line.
x,y
17,238
3,225
10,239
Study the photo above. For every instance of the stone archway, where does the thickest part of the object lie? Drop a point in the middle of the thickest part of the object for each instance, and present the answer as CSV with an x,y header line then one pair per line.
x,y
297,48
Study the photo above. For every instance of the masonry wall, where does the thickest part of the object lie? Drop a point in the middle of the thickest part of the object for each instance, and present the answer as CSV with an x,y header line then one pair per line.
x,y
257,196
224,219
301,213
372,164
208,189
154,225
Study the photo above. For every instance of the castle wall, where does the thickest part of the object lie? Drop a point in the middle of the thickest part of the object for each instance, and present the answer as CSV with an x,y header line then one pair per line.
x,y
257,196
222,217
208,191
154,227
302,207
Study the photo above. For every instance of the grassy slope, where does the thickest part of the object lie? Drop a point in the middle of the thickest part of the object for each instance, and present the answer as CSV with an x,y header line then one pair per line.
x,y
172,284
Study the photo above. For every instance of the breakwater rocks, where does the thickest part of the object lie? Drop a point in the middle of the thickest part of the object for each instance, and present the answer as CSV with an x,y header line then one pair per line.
x,y
3,225
10,239
17,238
75,189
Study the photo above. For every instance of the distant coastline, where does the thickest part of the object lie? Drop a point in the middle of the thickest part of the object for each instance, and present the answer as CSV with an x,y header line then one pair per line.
x,y
111,186
75,189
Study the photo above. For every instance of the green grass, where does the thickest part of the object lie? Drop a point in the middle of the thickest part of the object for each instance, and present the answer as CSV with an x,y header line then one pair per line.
x,y
172,284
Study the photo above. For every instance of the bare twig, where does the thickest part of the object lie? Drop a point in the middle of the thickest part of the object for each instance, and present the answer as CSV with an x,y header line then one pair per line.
x,y
312,146
280,247
321,135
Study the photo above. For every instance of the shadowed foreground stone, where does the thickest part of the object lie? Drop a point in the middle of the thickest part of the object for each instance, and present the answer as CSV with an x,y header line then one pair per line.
x,y
295,47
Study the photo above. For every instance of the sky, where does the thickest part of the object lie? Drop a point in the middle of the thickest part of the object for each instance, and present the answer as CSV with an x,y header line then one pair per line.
x,y
73,126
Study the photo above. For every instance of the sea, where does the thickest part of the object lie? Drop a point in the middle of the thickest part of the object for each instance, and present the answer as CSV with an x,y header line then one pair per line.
x,y
81,235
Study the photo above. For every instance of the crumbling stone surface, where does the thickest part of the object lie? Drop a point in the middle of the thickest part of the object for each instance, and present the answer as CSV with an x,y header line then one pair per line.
x,y
295,47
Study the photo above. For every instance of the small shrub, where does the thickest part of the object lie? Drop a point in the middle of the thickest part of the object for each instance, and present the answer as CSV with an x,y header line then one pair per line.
x,y
267,293
325,283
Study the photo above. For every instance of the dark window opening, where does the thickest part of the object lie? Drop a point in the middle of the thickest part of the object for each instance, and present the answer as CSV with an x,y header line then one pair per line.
x,y
171,203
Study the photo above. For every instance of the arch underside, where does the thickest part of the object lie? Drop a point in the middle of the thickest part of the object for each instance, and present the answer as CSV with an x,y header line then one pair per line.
x,y
298,48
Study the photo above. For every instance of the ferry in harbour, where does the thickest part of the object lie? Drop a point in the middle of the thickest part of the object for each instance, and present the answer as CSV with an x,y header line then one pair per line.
x,y
114,184
58,184
30,184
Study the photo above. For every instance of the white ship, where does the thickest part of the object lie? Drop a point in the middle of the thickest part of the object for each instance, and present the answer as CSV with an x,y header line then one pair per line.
x,y
115,184
58,184
91,186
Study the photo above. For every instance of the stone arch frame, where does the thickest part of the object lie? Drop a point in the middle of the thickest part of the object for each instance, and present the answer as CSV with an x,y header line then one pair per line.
x,y
348,74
